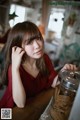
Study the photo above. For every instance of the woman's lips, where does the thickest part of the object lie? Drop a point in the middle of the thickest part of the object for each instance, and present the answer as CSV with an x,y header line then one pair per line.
x,y
38,52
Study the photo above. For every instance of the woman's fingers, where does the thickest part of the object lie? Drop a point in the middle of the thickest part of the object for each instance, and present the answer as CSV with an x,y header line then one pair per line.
x,y
17,54
18,50
69,67
13,49
22,52
73,67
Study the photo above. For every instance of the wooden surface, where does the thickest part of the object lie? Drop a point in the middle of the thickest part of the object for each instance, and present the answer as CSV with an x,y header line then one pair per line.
x,y
33,110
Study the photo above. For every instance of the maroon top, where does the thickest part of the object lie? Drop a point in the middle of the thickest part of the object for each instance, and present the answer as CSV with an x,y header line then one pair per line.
x,y
32,85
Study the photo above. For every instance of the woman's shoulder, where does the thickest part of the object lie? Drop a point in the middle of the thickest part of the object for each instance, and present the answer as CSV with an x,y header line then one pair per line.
x,y
46,57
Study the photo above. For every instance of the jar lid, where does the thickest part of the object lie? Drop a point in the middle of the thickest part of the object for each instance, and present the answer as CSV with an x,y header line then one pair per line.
x,y
70,83
70,79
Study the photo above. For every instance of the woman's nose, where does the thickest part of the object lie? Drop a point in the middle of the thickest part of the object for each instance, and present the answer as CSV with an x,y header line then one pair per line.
x,y
36,45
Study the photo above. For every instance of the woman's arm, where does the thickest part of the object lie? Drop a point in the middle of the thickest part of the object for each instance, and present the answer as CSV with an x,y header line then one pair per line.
x,y
19,95
18,91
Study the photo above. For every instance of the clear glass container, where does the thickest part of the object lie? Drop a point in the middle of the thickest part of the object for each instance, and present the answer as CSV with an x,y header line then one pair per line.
x,y
64,95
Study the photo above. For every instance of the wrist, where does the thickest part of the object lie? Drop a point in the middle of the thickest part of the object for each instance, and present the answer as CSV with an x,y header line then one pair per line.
x,y
15,68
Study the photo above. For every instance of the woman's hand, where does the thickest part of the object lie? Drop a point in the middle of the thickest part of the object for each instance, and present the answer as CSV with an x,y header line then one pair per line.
x,y
66,67
17,54
69,67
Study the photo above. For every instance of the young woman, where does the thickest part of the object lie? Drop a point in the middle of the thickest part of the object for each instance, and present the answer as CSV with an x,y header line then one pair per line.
x,y
27,69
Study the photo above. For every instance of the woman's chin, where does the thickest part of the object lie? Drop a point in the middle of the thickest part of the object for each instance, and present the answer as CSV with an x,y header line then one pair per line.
x,y
39,55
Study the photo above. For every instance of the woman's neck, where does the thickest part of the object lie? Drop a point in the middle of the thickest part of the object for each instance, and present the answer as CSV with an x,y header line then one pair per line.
x,y
30,62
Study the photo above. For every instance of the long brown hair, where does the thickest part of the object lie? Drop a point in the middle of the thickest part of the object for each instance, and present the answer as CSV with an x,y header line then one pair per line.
x,y
15,38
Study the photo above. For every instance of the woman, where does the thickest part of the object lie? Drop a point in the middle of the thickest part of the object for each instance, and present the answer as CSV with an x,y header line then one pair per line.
x,y
27,69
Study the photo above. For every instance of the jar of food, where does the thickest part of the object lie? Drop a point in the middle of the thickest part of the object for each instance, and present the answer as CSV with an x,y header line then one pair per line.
x,y
64,95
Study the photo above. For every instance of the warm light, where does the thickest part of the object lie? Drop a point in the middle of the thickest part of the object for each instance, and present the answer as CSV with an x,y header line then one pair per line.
x,y
42,29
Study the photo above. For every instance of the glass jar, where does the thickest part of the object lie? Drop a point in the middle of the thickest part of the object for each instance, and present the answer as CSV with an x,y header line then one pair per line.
x,y
64,95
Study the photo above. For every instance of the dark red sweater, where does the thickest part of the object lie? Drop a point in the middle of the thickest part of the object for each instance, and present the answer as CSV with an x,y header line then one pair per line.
x,y
33,86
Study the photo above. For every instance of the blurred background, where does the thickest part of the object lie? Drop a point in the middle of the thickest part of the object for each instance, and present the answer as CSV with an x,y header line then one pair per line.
x,y
58,21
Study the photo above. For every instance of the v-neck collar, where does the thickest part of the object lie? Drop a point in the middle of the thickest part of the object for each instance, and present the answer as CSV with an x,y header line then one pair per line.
x,y
29,73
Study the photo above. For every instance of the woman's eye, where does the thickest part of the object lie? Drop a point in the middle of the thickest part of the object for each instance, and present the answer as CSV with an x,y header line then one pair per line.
x,y
28,43
31,43
38,38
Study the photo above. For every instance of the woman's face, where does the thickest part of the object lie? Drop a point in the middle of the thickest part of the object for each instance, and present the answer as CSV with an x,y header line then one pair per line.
x,y
34,49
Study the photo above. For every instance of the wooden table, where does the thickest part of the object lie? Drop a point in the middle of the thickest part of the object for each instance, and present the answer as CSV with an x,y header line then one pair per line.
x,y
33,110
